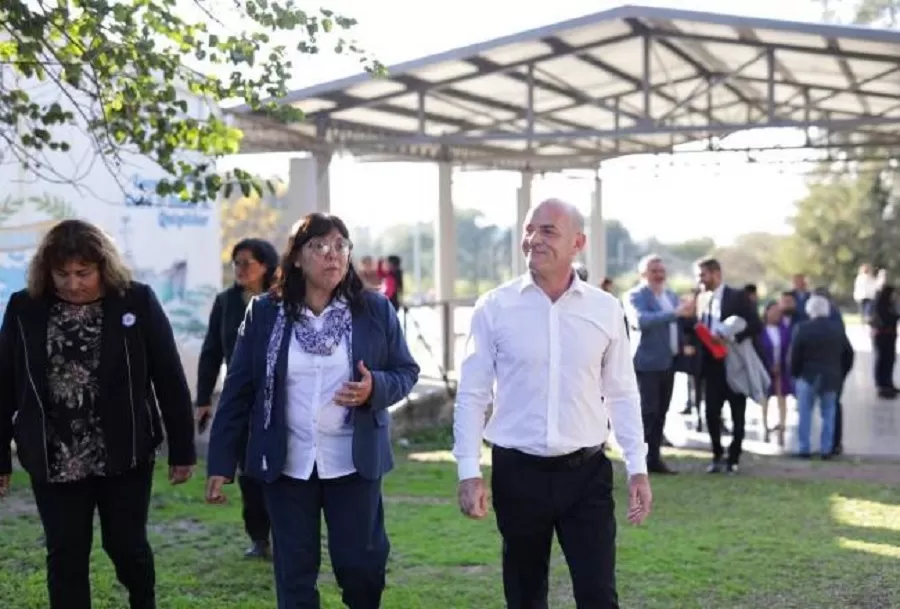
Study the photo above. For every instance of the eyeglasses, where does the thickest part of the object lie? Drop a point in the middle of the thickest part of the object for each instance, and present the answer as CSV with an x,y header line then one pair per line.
x,y
322,249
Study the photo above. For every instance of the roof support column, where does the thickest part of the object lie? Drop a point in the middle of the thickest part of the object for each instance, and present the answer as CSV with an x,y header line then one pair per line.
x,y
445,259
596,236
523,204
309,188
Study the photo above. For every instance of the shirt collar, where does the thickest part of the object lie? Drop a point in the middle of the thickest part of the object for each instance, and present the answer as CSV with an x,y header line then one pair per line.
x,y
527,281
337,303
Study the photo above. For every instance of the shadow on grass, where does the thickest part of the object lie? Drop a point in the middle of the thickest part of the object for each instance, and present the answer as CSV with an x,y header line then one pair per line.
x,y
712,542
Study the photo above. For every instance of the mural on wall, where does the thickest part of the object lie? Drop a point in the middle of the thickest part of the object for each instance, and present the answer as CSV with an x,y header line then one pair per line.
x,y
23,223
170,245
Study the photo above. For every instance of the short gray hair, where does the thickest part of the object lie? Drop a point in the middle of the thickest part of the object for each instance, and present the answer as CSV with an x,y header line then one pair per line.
x,y
646,261
574,213
818,306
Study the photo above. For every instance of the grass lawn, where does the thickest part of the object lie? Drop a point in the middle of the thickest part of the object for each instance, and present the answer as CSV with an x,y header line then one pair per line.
x,y
717,542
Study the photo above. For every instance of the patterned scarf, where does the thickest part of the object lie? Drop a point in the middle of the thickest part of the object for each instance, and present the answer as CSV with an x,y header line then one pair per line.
x,y
336,329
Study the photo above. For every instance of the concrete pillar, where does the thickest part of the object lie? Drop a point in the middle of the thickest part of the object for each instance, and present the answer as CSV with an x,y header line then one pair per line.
x,y
523,204
309,187
445,259
596,237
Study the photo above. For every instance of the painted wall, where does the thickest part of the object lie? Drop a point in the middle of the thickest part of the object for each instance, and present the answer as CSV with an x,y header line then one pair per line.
x,y
173,246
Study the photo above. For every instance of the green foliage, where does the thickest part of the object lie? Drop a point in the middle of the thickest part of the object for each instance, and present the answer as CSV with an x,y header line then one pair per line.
x,y
845,220
124,70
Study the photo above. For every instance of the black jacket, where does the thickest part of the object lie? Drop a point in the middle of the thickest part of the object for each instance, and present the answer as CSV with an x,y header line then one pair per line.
x,y
141,378
819,353
224,320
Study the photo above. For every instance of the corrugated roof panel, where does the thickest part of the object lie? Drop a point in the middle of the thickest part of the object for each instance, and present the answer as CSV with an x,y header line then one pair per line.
x,y
444,71
594,32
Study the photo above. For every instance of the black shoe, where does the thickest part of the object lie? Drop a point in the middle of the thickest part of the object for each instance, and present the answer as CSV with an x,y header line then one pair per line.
x,y
259,549
688,409
803,456
731,469
714,468
661,468
837,450
827,456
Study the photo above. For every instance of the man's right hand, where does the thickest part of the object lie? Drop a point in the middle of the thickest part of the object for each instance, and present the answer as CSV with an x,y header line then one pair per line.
x,y
685,309
214,493
5,481
473,498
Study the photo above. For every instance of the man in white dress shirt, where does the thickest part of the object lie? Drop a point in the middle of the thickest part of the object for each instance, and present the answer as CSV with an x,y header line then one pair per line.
x,y
556,347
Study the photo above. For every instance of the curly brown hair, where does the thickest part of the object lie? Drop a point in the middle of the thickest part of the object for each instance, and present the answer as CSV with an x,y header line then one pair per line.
x,y
76,240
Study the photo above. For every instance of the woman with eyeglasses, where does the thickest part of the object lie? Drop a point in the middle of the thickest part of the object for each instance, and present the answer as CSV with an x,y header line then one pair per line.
x,y
316,364
255,262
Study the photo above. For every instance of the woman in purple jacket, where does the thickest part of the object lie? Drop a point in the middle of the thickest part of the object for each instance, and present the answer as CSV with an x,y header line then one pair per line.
x,y
776,346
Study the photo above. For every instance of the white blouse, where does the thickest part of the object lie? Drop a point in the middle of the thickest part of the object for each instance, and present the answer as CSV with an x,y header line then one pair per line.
x,y
318,434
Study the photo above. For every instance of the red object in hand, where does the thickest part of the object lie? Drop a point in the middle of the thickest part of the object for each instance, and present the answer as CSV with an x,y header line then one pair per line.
x,y
718,350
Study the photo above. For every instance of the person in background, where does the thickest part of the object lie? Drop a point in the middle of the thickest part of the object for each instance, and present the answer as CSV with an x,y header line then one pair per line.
x,y
715,305
317,363
581,271
865,286
801,293
775,343
883,324
752,294
255,262
817,350
607,285
368,273
790,316
391,280
688,362
653,312
90,378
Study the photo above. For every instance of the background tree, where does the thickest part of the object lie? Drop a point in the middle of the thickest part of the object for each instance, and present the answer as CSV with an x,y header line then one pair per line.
x,y
120,70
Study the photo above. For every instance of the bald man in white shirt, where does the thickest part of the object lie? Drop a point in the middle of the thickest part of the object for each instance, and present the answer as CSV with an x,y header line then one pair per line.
x,y
555,346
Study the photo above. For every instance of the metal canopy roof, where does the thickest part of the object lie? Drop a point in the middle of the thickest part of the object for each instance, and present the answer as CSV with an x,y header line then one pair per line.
x,y
628,80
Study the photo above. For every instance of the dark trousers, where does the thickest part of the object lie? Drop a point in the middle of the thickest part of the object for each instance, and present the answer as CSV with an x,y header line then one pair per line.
x,y
885,347
716,393
67,514
572,495
656,393
357,542
256,518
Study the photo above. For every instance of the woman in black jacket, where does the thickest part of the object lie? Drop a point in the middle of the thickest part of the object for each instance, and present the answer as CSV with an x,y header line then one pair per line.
x,y
88,363
255,262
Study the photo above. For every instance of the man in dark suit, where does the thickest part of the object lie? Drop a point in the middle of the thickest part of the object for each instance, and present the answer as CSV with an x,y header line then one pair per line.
x,y
717,303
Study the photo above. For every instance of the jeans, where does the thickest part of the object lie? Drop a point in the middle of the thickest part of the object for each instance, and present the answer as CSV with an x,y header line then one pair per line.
x,y
806,399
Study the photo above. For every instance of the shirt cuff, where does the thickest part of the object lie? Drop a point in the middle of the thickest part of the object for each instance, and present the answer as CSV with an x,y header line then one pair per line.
x,y
468,468
637,463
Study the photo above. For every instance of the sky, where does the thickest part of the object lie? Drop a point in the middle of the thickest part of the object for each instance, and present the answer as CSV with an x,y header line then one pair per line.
x,y
693,197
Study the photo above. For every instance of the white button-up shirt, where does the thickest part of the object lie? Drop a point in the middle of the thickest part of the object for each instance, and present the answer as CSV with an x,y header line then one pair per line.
x,y
317,432
547,366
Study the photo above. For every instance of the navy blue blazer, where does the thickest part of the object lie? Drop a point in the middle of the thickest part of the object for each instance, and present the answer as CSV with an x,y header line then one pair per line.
x,y
653,351
377,340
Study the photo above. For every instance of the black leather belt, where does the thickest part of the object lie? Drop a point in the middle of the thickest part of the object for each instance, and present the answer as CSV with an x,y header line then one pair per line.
x,y
567,461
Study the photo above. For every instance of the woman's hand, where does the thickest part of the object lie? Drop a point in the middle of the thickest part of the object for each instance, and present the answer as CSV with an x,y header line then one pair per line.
x,y
179,474
214,492
355,394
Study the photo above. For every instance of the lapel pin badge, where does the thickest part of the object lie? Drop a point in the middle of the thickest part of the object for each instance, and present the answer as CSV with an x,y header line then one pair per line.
x,y
128,320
